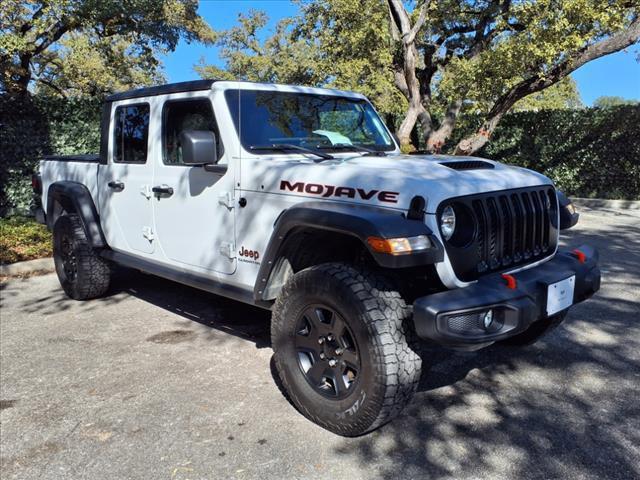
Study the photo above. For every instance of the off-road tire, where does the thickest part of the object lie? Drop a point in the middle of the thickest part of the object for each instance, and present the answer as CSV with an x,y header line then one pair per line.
x,y
536,331
381,324
81,272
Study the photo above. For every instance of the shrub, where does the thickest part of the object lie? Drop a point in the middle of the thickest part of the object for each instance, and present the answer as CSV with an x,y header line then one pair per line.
x,y
22,238
36,126
593,152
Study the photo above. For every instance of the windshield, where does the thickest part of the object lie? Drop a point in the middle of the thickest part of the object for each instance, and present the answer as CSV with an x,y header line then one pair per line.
x,y
266,118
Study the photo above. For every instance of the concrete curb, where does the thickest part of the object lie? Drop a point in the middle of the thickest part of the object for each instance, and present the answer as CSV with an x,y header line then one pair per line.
x,y
40,265
603,203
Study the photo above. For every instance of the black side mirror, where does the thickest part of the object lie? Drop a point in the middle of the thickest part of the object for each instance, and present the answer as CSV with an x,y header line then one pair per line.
x,y
198,147
568,215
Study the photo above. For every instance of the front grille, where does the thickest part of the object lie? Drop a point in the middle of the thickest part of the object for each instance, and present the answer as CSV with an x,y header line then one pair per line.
x,y
509,229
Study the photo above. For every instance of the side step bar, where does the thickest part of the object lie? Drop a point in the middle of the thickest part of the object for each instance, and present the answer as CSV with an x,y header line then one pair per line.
x,y
186,278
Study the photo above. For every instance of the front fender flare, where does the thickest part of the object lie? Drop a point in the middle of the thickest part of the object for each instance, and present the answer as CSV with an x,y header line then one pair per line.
x,y
357,221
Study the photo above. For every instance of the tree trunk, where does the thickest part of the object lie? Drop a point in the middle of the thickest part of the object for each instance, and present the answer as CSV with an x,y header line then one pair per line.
x,y
405,77
435,140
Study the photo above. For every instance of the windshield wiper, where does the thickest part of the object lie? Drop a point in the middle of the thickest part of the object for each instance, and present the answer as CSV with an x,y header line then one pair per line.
x,y
354,148
285,147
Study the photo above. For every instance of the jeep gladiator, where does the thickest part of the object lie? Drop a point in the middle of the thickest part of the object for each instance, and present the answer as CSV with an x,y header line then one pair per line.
x,y
299,200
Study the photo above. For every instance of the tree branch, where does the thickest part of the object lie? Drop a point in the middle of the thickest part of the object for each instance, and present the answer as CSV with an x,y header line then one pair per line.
x,y
614,43
538,82
52,86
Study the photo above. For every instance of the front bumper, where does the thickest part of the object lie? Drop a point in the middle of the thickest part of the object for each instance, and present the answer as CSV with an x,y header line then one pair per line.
x,y
455,318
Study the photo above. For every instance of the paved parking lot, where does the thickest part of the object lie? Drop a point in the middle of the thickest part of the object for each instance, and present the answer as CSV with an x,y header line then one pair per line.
x,y
162,381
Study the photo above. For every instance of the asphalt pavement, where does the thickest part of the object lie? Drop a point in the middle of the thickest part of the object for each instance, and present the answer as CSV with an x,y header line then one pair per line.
x,y
160,381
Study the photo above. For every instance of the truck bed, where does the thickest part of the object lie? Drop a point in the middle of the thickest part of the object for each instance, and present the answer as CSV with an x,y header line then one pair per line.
x,y
70,168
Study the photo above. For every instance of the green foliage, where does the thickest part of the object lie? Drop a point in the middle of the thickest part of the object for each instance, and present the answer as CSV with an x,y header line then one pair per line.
x,y
588,153
327,45
475,53
281,58
22,238
32,127
74,47
530,40
613,101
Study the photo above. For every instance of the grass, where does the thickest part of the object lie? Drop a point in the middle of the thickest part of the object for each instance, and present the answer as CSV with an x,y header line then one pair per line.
x,y
22,238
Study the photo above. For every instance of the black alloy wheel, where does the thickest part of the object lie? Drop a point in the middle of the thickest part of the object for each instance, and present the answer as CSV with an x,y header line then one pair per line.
x,y
327,352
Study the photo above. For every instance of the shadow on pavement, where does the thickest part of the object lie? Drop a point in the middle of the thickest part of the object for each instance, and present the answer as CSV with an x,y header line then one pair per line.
x,y
564,408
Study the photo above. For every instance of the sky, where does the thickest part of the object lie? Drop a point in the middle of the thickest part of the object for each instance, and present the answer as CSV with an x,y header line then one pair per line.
x,y
617,74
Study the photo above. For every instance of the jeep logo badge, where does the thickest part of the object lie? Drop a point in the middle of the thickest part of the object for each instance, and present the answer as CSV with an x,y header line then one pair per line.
x,y
249,256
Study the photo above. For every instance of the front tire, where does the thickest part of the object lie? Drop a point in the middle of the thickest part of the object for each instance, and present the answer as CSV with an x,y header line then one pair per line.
x,y
81,272
342,341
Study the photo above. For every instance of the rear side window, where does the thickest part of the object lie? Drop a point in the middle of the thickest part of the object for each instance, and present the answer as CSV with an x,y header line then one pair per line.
x,y
181,115
131,133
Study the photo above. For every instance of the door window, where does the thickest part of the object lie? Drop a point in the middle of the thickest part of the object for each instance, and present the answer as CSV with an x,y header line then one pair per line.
x,y
180,115
131,133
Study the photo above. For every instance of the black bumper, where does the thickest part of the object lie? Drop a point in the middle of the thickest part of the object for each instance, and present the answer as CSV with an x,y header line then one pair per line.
x,y
455,318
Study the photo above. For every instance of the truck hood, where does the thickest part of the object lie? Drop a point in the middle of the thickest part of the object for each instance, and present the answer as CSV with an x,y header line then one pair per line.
x,y
390,181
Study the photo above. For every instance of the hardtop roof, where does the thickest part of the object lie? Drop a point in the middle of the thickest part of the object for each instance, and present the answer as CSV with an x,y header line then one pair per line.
x,y
191,86
198,85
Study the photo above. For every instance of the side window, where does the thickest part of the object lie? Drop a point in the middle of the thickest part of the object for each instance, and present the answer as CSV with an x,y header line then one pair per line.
x,y
180,115
131,133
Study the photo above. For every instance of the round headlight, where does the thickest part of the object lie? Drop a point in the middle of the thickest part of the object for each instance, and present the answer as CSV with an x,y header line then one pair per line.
x,y
447,222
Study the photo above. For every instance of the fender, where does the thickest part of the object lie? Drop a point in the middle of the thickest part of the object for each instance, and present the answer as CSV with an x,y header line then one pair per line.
x,y
357,221
75,197
568,215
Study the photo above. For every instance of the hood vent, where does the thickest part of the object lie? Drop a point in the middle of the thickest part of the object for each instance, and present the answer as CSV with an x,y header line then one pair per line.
x,y
469,165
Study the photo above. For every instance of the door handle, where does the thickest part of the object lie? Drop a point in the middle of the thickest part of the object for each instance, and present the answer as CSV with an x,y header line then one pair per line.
x,y
163,190
118,186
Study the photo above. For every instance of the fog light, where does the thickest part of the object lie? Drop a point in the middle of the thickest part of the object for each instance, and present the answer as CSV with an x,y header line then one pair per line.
x,y
487,320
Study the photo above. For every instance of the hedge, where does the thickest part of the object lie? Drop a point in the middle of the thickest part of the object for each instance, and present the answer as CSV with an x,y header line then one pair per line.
x,y
37,126
591,152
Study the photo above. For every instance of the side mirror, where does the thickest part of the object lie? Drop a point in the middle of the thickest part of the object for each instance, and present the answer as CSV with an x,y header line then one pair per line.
x,y
198,147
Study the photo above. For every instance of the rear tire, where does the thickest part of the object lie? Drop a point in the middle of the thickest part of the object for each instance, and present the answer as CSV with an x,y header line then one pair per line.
x,y
536,331
81,272
364,371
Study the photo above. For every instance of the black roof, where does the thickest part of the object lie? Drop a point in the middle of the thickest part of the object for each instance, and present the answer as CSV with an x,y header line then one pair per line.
x,y
191,86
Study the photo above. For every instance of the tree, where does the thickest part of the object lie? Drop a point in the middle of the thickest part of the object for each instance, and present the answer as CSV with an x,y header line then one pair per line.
x,y
496,52
613,101
91,46
315,49
443,57
279,57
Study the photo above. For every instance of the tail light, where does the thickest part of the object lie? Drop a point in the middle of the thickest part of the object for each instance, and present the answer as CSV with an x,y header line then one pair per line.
x,y
36,183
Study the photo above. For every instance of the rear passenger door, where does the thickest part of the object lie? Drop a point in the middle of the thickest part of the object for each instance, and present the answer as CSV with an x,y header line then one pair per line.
x,y
194,217
124,183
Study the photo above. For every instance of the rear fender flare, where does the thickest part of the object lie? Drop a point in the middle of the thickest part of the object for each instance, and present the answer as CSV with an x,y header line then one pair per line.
x,y
75,197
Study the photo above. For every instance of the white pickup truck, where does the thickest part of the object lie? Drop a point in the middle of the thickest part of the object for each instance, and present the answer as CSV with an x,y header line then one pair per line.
x,y
299,200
